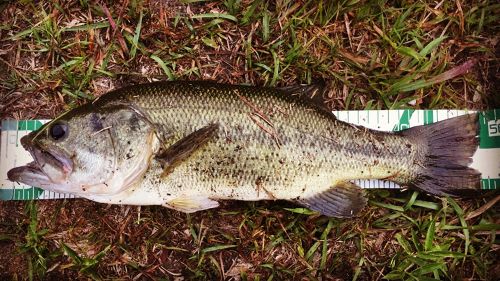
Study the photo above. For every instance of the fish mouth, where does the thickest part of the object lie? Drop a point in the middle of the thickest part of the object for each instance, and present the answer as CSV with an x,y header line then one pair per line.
x,y
29,174
50,165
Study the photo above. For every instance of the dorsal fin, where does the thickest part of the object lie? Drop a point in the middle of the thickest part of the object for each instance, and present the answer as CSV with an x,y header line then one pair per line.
x,y
313,93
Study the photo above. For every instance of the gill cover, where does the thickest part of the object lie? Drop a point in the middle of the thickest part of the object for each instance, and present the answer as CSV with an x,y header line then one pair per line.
x,y
89,150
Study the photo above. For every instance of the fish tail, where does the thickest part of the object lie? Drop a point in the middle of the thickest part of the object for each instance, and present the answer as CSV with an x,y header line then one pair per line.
x,y
447,148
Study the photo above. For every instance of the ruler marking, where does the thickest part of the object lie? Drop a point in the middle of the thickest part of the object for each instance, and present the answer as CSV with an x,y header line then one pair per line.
x,y
17,134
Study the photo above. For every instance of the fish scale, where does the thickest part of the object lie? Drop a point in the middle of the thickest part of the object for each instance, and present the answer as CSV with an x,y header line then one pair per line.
x,y
186,145
315,147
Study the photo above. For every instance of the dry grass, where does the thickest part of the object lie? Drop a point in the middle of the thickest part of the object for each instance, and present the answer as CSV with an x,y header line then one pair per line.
x,y
373,54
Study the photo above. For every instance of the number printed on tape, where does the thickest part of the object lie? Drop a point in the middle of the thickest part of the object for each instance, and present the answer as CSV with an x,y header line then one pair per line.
x,y
494,128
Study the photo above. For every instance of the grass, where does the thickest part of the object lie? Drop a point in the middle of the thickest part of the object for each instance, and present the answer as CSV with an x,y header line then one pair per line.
x,y
373,55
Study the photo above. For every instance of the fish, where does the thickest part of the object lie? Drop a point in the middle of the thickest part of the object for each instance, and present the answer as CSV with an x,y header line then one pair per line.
x,y
187,145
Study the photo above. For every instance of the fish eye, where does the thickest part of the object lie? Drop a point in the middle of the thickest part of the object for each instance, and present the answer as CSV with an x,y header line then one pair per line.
x,y
58,131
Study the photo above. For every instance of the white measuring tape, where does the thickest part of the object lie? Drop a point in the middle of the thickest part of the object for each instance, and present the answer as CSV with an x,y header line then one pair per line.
x,y
486,159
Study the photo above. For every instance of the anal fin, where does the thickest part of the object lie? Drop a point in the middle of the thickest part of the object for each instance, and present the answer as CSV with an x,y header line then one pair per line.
x,y
191,204
344,200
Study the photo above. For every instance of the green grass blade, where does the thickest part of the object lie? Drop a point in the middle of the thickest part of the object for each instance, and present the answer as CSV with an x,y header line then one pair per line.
x,y
163,66
312,250
72,254
412,200
303,211
217,248
265,26
137,35
410,52
324,237
460,214
403,243
86,27
215,15
276,68
431,46
387,206
429,237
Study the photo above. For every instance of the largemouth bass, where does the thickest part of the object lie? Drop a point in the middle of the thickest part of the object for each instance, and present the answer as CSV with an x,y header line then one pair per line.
x,y
186,145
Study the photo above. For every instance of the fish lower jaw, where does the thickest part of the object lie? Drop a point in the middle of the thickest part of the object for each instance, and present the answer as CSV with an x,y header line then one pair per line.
x,y
137,197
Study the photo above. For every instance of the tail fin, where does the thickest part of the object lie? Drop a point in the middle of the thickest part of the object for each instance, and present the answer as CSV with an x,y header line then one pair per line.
x,y
449,145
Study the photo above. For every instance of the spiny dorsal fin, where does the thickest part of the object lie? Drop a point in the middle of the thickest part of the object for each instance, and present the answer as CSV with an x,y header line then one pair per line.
x,y
313,93
344,200
184,147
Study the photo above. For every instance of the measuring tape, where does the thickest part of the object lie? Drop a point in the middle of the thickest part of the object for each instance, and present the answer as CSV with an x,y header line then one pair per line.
x,y
486,159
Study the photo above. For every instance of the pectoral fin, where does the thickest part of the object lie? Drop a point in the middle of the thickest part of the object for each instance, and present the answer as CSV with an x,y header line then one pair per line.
x,y
184,147
191,204
344,200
